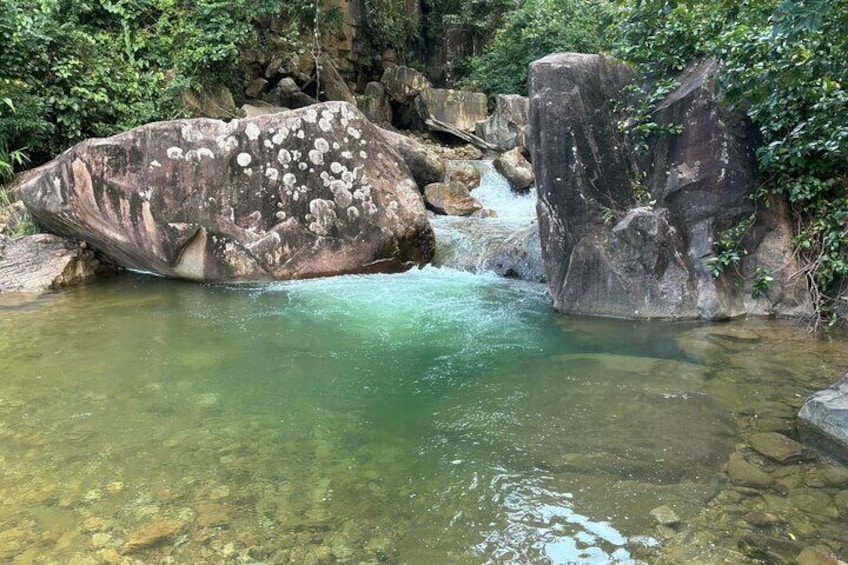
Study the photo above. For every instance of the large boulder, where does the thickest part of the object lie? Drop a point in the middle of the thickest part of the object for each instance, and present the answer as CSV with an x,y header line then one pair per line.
x,y
287,94
426,166
306,193
507,124
607,254
823,418
210,102
43,262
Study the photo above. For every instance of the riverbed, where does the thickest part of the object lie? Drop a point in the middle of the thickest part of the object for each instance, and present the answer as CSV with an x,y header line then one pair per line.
x,y
434,416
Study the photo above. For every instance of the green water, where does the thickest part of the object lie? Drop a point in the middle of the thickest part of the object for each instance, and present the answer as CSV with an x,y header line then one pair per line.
x,y
424,418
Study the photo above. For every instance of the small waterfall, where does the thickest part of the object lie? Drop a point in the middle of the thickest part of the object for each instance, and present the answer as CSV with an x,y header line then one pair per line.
x,y
507,244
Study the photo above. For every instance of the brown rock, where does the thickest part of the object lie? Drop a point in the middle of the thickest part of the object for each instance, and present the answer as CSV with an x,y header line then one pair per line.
x,y
259,108
152,534
307,193
463,172
287,94
332,83
507,124
256,88
211,102
212,515
779,447
458,108
744,474
450,198
43,262
764,519
516,169
818,555
374,103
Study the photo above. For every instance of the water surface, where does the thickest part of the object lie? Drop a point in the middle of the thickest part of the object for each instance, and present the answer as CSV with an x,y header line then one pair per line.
x,y
429,417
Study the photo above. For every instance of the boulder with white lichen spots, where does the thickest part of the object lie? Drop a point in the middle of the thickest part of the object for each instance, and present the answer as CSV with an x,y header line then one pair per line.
x,y
306,193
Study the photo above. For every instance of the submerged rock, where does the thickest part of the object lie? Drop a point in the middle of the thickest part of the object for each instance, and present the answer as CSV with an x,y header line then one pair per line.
x,y
305,193
824,417
779,447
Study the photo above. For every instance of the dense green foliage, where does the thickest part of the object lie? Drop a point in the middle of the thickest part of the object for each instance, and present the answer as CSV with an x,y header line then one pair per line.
x,y
79,68
784,65
534,29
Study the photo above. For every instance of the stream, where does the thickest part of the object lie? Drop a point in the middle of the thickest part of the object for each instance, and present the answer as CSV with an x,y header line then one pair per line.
x,y
431,417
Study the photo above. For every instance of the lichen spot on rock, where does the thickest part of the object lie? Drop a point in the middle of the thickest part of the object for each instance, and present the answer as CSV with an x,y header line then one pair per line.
x,y
155,164
301,134
323,214
347,154
363,154
354,133
341,193
352,213
252,131
311,116
325,125
244,159
272,173
322,145
175,153
336,167
316,157
289,179
284,157
280,136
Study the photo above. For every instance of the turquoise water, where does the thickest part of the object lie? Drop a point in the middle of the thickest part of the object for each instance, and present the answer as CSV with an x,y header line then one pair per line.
x,y
428,417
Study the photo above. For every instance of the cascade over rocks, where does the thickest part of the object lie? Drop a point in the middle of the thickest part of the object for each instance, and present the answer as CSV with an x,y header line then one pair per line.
x,y
605,254
516,169
305,193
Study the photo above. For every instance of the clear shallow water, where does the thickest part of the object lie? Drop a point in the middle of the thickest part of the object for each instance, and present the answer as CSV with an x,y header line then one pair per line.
x,y
429,417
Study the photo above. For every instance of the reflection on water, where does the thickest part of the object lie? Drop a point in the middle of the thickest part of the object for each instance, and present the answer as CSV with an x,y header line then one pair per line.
x,y
429,417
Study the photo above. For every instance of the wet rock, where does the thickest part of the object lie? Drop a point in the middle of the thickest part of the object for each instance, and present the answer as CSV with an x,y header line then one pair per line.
x,y
835,476
212,515
516,169
744,474
665,516
818,555
519,256
770,549
824,417
506,126
813,501
779,448
152,534
43,262
463,171
306,193
764,519
451,198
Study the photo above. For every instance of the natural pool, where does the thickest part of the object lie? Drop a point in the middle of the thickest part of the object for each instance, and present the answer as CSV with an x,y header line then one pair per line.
x,y
433,417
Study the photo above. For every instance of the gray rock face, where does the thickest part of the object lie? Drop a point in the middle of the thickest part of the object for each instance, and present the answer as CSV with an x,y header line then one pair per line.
x,y
824,417
306,193
43,262
605,255
506,126
374,103
404,83
426,166
287,94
